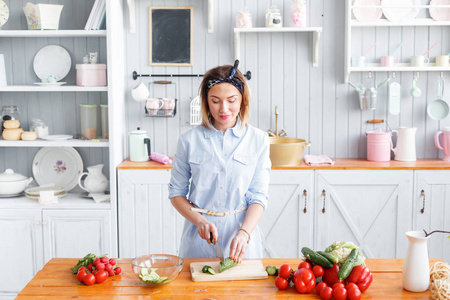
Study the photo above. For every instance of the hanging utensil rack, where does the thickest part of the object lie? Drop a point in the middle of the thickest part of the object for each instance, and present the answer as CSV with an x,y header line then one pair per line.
x,y
247,75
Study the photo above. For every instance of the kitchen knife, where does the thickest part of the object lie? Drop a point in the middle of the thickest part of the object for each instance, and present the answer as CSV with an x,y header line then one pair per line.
x,y
219,252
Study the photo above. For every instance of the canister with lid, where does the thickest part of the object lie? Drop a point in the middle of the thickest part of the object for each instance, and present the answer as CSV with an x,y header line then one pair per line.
x,y
9,112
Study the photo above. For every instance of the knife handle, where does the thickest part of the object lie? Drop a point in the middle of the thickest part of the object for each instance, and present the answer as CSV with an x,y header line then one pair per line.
x,y
211,238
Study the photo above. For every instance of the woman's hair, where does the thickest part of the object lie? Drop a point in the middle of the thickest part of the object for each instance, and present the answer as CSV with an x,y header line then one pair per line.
x,y
221,73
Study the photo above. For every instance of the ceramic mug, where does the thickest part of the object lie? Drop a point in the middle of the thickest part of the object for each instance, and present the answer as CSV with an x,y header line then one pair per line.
x,y
442,61
388,61
153,105
168,105
419,61
360,61
140,92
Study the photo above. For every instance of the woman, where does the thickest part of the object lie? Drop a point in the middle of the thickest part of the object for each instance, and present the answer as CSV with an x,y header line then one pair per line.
x,y
224,165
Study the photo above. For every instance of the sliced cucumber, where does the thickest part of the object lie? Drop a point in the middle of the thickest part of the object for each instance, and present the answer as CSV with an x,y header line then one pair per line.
x,y
227,264
152,276
271,270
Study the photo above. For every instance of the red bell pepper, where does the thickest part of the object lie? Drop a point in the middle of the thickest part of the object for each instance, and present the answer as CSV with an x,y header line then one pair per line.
x,y
304,281
330,276
361,276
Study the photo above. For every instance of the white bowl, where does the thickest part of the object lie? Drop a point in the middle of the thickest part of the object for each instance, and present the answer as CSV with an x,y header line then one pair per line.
x,y
12,183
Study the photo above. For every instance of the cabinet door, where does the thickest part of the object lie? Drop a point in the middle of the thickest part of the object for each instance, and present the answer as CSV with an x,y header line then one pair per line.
x,y
287,224
432,209
371,208
148,223
20,248
75,233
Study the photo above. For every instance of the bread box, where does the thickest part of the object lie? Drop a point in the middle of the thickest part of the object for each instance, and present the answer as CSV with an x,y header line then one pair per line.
x,y
42,16
91,74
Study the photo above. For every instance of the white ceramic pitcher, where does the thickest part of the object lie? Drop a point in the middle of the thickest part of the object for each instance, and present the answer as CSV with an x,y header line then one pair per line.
x,y
95,181
416,267
406,144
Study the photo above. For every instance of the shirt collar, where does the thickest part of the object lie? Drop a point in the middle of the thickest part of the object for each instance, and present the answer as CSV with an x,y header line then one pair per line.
x,y
236,130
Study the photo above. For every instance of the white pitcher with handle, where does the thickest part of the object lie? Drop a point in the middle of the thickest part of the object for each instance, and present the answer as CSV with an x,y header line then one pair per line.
x,y
95,181
406,144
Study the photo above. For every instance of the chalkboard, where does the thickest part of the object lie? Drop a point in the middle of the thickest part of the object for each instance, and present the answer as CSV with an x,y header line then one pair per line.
x,y
170,39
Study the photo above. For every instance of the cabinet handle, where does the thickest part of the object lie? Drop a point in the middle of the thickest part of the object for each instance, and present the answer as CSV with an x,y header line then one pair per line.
x,y
324,194
422,194
44,223
37,222
305,194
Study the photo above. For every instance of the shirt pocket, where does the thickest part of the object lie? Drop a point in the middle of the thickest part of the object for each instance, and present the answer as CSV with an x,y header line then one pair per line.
x,y
202,169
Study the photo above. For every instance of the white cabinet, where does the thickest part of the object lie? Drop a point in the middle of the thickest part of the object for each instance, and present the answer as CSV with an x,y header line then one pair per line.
x,y
432,209
287,224
31,237
373,208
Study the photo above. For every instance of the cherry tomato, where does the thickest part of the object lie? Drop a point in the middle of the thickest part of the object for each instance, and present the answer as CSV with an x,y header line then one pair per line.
x,y
305,265
318,271
350,286
89,279
112,261
326,293
94,271
340,293
108,267
101,276
100,266
280,283
96,261
320,286
104,259
111,273
81,269
284,271
354,294
89,267
118,270
80,275
338,284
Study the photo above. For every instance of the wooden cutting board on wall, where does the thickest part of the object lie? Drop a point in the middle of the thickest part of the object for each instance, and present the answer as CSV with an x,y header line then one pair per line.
x,y
248,269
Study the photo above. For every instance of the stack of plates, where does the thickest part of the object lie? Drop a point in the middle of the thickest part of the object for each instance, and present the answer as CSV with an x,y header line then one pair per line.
x,y
35,192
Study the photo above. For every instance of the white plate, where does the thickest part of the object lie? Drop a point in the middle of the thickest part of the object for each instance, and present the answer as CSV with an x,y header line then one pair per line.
x,y
403,13
35,191
86,195
56,137
48,84
52,60
440,13
367,14
37,197
58,166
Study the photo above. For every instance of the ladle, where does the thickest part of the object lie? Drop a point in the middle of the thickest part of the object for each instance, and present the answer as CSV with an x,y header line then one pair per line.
x,y
415,91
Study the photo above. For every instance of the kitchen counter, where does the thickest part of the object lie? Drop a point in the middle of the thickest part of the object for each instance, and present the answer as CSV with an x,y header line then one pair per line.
x,y
340,164
55,281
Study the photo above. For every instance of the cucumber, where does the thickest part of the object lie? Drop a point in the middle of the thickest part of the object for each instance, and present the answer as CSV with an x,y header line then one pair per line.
x,y
272,270
227,264
208,269
316,258
333,258
348,265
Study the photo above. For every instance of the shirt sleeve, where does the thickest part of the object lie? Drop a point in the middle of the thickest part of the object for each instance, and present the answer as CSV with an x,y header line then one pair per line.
x,y
258,191
181,171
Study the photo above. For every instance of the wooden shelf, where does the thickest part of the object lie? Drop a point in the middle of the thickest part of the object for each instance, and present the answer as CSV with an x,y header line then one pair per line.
x,y
62,88
62,143
52,33
315,30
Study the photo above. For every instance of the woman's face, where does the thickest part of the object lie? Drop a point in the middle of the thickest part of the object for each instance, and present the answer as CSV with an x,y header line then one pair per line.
x,y
224,101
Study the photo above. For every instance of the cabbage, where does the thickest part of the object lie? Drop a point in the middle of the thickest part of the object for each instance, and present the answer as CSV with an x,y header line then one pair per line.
x,y
342,250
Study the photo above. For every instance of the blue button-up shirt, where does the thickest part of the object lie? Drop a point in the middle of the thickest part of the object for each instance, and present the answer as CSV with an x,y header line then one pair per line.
x,y
221,172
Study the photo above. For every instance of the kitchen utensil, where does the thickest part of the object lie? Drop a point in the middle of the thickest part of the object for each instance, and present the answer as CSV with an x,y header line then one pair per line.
x,y
287,151
139,145
246,270
419,61
430,49
394,98
168,105
217,249
442,61
367,14
52,60
13,183
415,91
371,47
57,165
445,146
388,61
165,265
140,92
360,61
396,49
95,181
88,120
195,109
400,10
406,144
438,109
440,13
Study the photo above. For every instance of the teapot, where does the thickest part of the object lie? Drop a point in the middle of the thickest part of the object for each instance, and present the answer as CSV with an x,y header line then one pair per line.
x,y
139,145
406,144
445,146
95,181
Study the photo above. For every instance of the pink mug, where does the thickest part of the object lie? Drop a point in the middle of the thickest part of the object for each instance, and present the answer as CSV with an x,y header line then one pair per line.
x,y
445,146
153,105
388,61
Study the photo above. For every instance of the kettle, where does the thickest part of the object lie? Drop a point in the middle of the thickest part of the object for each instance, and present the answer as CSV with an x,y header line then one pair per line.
x,y
139,145
406,144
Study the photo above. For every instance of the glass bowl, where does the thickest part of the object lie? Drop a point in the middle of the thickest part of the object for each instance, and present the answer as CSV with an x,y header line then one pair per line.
x,y
157,269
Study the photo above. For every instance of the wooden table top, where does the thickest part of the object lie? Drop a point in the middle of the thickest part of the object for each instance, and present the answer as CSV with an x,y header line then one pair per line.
x,y
55,281
340,164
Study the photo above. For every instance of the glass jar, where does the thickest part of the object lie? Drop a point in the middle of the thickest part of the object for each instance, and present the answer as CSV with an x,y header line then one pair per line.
x,y
273,17
244,19
9,112
298,13
88,121
104,117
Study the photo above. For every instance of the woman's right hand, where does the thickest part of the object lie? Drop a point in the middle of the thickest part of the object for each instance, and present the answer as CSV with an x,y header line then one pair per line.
x,y
205,229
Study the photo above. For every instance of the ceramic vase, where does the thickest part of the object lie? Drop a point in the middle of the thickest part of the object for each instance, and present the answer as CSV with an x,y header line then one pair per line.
x,y
416,267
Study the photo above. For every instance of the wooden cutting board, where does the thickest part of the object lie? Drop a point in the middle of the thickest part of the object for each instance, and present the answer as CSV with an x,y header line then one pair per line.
x,y
248,269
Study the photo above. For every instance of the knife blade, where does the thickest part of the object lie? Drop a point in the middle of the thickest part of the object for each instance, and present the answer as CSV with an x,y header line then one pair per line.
x,y
217,249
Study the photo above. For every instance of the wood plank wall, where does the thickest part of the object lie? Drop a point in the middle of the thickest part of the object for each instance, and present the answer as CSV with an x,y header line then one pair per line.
x,y
314,103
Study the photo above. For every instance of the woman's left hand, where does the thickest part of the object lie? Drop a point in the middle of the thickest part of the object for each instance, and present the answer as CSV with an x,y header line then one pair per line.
x,y
239,246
